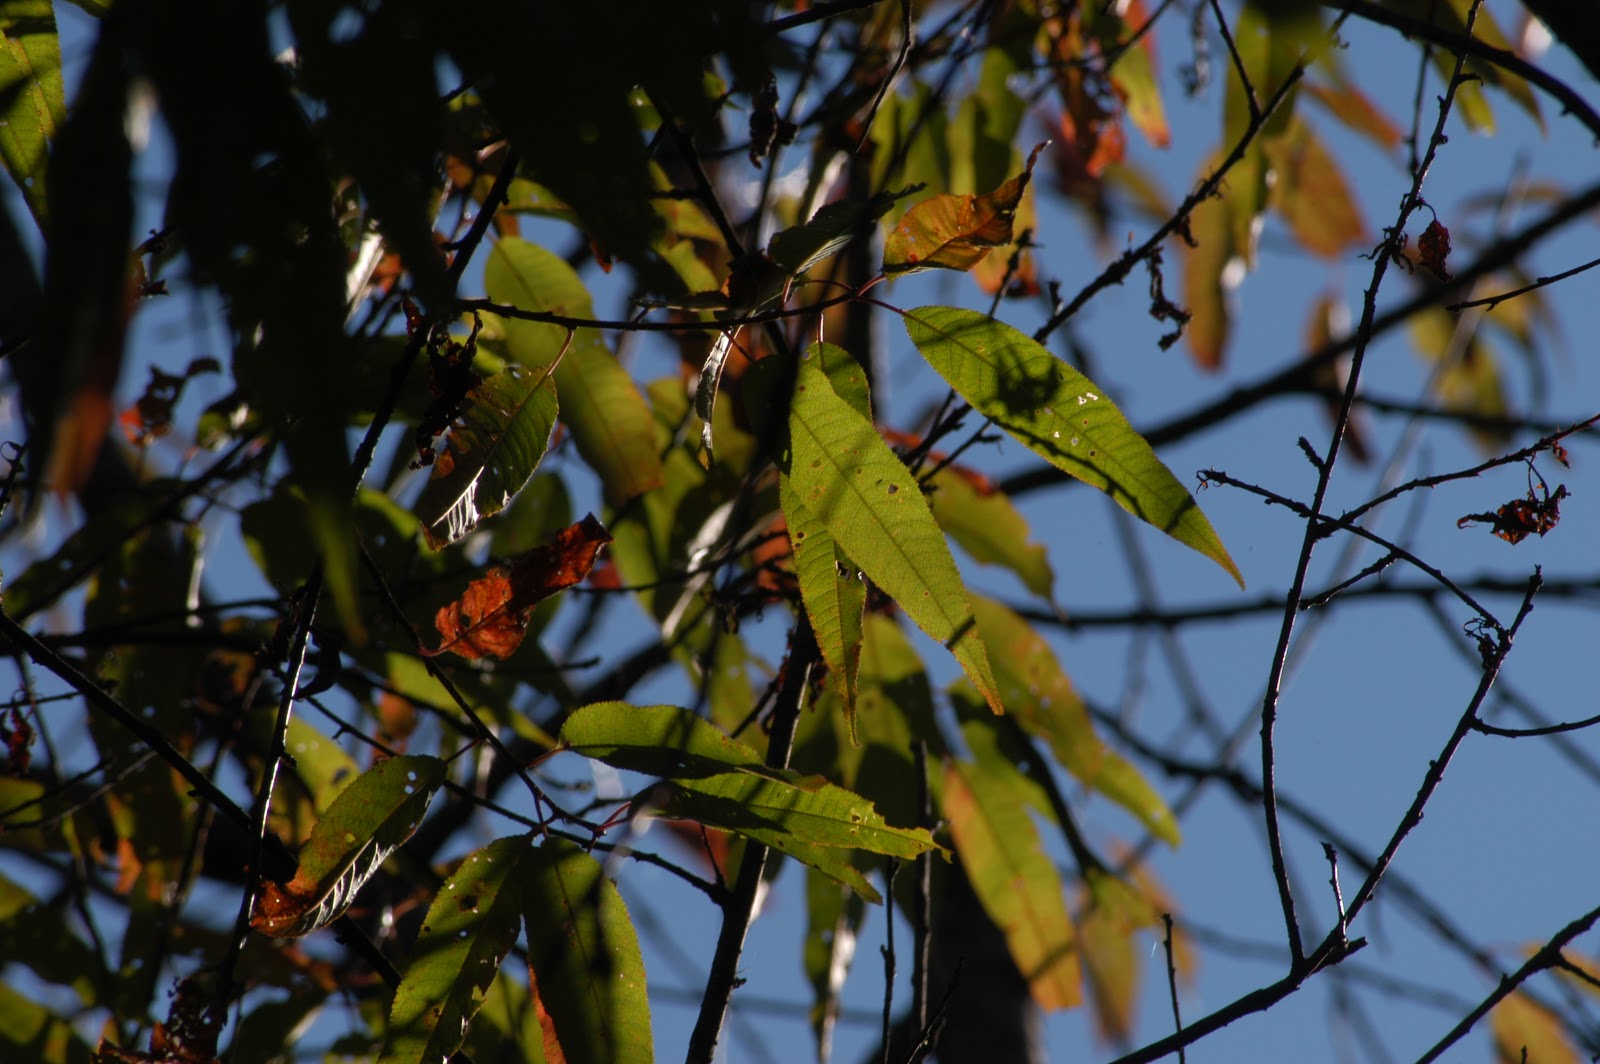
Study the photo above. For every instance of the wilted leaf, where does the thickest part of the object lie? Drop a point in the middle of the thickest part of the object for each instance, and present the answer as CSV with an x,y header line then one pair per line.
x,y
954,232
585,973
367,822
1060,414
498,442
1014,880
847,477
471,925
492,616
1518,519
1433,248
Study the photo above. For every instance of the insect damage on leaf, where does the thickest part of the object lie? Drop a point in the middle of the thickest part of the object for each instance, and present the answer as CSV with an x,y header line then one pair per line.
x,y
955,232
491,617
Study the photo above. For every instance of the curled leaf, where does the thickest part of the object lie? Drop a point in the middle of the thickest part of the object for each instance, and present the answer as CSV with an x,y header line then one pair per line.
x,y
955,232
1514,522
491,617
1434,247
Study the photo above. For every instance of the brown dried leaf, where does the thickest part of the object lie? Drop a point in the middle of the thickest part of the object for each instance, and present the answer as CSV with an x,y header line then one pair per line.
x,y
491,617
1520,518
1434,247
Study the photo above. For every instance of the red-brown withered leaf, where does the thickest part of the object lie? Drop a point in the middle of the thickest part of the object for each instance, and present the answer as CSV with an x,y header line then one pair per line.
x,y
1434,247
491,616
955,232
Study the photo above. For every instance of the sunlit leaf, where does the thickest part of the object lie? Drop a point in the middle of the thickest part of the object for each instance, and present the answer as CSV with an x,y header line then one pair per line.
x,y
492,616
1042,699
609,419
1062,416
471,925
850,480
990,529
585,972
367,822
490,454
32,101
1015,880
955,232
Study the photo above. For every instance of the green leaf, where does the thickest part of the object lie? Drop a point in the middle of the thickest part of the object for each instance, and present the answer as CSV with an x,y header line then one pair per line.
x,y
1042,699
1015,881
798,248
35,934
584,965
32,101
470,927
32,1034
989,528
851,481
492,451
833,593
1212,267
364,825
665,741
608,417
1060,414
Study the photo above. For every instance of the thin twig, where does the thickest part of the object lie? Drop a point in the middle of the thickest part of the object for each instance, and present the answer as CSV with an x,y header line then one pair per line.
x,y
1172,982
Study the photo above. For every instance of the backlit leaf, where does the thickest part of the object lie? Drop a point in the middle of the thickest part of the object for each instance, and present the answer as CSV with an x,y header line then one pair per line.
x,y
32,102
1042,699
833,593
1014,879
492,451
610,422
850,480
367,822
1525,1032
470,927
585,972
817,815
492,616
1310,192
1111,915
989,528
1061,415
1356,110
1133,76
1212,268
955,232
664,741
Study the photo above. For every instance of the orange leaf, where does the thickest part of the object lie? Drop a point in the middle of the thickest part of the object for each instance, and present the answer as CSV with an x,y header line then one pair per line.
x,y
491,617
955,232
